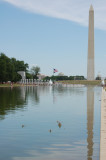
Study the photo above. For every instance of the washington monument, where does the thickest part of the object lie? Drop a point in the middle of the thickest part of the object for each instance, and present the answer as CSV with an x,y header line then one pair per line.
x,y
90,65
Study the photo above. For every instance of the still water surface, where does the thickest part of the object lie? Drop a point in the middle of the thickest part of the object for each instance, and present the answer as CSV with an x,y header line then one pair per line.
x,y
50,123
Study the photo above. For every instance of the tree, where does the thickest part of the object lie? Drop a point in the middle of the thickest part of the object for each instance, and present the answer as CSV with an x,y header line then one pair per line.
x,y
98,78
35,71
9,68
5,68
29,76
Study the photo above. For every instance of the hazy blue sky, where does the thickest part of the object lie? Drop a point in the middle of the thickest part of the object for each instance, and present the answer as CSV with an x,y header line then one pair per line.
x,y
53,34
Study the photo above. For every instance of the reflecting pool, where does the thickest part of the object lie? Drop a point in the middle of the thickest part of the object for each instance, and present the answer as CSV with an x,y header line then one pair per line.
x,y
59,122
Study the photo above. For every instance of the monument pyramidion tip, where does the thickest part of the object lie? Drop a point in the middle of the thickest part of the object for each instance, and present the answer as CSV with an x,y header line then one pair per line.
x,y
91,8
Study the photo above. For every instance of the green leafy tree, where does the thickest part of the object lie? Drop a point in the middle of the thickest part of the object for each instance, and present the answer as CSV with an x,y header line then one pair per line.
x,y
10,67
5,67
29,76
35,71
98,78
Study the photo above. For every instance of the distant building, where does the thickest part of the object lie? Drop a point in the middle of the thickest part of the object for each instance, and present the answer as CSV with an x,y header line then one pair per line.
x,y
41,76
61,74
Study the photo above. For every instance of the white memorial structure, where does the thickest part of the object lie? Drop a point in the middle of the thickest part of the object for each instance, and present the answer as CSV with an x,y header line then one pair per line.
x,y
22,73
31,81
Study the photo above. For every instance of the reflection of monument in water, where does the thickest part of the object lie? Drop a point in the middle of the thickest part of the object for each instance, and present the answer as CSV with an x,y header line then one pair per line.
x,y
90,121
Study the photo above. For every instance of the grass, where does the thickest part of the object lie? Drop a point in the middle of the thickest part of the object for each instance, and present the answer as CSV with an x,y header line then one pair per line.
x,y
8,85
84,82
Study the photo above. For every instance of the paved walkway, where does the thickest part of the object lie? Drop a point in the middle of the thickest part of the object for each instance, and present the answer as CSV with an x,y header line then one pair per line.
x,y
103,127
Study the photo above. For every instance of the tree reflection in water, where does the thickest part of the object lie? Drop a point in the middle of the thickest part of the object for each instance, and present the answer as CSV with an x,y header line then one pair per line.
x,y
16,98
11,99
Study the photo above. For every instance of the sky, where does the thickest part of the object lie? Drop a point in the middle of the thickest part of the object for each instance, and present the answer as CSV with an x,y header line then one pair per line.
x,y
53,34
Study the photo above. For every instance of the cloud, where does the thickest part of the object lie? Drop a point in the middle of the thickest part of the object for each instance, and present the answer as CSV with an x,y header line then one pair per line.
x,y
73,10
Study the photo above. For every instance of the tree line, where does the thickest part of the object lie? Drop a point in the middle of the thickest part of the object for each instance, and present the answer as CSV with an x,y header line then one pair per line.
x,y
60,78
10,66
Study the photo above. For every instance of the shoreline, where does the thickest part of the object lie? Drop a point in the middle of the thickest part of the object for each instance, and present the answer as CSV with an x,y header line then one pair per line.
x,y
69,82
14,85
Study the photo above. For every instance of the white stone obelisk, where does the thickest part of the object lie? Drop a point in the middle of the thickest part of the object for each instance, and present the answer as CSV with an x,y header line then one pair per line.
x,y
90,65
